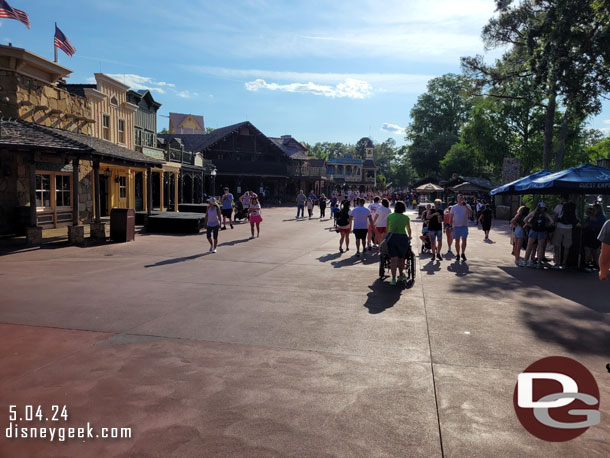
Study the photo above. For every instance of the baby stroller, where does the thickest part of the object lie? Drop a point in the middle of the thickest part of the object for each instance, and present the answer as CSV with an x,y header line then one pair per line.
x,y
240,211
426,241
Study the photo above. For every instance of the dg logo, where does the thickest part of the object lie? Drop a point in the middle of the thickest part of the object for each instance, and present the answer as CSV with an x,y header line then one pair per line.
x,y
556,399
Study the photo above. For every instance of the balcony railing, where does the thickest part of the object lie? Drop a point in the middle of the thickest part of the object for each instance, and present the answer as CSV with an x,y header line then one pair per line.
x,y
305,171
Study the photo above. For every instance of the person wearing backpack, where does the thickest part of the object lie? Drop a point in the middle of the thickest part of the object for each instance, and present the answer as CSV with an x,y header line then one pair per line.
x,y
539,221
344,226
565,216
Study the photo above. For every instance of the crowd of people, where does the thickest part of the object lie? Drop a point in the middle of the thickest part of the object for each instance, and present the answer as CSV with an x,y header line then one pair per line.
x,y
223,207
533,230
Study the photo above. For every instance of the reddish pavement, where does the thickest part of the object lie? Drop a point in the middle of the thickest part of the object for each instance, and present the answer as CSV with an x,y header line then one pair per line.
x,y
280,346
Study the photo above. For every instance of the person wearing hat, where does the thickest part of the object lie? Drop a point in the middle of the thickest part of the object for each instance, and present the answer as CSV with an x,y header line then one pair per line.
x,y
212,223
539,221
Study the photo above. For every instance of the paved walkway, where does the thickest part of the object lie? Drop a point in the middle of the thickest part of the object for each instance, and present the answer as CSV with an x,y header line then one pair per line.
x,y
280,346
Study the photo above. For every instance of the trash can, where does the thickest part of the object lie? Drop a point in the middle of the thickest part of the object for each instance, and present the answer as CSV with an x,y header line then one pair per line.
x,y
122,224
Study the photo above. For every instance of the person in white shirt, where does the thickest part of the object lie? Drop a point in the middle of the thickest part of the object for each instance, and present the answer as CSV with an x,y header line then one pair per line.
x,y
459,222
565,220
373,209
381,220
212,223
360,217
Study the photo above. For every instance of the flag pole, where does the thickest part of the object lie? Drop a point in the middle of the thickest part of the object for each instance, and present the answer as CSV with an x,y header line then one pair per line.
x,y
55,47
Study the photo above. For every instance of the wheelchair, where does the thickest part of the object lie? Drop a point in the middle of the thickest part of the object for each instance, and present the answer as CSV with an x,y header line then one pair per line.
x,y
409,272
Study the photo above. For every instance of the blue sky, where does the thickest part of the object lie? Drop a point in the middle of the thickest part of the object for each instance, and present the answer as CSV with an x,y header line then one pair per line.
x,y
319,70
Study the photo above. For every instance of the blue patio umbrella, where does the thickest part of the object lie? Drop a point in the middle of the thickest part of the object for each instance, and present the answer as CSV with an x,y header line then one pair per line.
x,y
584,179
509,188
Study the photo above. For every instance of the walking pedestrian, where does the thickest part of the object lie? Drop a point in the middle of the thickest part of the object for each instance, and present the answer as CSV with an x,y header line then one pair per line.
x,y
360,217
517,224
435,229
254,215
212,224
398,241
344,226
486,217
322,204
227,208
371,232
594,221
381,220
460,214
539,221
604,257
334,207
448,229
301,198
310,206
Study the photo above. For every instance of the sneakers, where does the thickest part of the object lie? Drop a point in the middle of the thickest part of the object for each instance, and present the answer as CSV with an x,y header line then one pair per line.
x,y
223,228
340,250
231,224
520,263
531,264
401,278
214,250
538,265
358,253
439,257
393,282
211,249
463,257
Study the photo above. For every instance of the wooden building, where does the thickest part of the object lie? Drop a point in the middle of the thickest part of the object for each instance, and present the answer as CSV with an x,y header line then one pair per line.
x,y
353,173
245,159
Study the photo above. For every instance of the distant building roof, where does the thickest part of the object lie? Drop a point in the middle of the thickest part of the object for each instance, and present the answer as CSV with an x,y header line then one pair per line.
x,y
176,121
77,89
369,164
290,147
316,162
347,159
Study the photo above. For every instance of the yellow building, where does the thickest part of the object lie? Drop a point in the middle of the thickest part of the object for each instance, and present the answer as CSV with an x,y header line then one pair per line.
x,y
120,186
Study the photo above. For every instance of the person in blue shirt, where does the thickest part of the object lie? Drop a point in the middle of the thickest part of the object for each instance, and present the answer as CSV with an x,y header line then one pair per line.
x,y
227,208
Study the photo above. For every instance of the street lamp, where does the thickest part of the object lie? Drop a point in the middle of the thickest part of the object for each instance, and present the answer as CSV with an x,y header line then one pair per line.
x,y
213,174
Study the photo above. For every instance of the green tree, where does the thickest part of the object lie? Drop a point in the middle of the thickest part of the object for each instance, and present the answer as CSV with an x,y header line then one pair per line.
x,y
437,120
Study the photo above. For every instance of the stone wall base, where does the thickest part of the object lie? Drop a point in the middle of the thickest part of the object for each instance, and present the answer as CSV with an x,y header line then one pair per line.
x,y
76,234
33,235
98,231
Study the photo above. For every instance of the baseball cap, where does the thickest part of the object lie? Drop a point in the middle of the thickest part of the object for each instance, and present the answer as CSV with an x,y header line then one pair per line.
x,y
541,204
211,200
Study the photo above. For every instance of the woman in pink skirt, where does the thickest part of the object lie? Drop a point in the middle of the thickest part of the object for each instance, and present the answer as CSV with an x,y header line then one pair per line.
x,y
255,217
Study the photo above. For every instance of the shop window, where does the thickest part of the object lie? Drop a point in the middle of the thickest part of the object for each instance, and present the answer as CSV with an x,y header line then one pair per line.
x,y
121,131
138,138
106,127
122,187
62,191
150,137
43,191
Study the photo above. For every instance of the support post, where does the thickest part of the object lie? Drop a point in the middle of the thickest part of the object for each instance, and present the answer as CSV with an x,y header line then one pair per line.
x,y
97,192
75,193
161,190
32,179
149,193
175,191
193,199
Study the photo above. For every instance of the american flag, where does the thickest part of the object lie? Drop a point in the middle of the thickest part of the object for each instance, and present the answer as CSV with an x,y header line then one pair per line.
x,y
62,42
8,12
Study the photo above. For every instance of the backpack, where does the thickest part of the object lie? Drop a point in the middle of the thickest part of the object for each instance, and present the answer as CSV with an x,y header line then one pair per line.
x,y
568,214
539,222
343,218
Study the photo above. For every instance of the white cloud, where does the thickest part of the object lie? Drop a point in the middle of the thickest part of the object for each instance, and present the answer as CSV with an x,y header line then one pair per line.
x,y
382,82
186,94
142,82
393,128
607,121
350,88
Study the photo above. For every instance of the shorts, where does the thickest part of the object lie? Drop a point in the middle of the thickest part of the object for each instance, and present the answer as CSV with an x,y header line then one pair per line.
x,y
436,234
460,232
537,235
448,227
380,230
209,230
398,245
562,237
486,226
361,234
227,212
344,229
519,233
256,218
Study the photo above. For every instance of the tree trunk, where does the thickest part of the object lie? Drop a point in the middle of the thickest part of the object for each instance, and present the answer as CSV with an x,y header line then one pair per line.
x,y
563,135
548,129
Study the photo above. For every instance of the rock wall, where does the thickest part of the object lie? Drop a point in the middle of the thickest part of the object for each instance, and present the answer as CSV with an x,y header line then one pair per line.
x,y
34,101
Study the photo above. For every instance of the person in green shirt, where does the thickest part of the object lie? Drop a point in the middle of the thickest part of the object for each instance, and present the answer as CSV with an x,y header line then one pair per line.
x,y
398,241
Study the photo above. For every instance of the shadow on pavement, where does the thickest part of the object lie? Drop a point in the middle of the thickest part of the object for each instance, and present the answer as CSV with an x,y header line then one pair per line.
x,y
329,257
460,269
234,242
353,260
579,287
177,260
579,331
431,267
382,296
